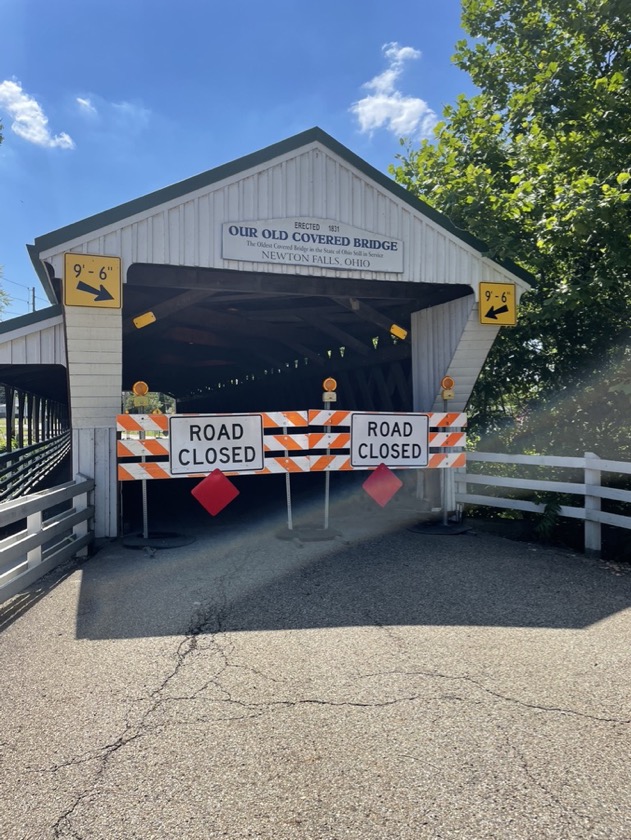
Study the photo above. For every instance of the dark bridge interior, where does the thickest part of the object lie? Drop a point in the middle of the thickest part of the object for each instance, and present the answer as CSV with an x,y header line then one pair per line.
x,y
240,341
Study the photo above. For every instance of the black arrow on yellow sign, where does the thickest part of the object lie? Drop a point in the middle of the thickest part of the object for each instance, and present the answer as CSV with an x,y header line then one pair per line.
x,y
99,294
493,312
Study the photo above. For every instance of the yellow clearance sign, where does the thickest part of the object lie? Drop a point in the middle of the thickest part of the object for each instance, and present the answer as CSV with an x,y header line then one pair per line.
x,y
92,280
498,304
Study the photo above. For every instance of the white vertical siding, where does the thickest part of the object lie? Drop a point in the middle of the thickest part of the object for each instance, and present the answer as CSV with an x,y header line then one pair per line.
x,y
448,340
436,333
41,343
94,456
472,349
310,182
95,372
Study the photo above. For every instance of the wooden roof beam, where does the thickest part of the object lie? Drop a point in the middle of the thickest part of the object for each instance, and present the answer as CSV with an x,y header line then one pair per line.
x,y
169,307
367,313
189,335
231,281
341,335
238,324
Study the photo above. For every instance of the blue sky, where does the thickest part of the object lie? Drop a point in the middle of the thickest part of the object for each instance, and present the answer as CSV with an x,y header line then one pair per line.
x,y
105,100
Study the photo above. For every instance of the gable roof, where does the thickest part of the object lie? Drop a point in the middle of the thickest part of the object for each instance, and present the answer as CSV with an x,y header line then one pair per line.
x,y
242,164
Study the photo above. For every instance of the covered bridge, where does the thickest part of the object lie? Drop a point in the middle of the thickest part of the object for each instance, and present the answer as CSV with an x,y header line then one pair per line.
x,y
244,286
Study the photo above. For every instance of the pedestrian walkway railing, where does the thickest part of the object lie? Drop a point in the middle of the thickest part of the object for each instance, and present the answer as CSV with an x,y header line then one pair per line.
x,y
535,482
41,531
22,469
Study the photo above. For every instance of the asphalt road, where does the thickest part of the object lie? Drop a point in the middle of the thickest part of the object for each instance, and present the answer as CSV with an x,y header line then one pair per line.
x,y
393,685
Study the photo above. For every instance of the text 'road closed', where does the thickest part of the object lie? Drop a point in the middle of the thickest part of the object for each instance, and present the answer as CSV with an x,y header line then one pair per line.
x,y
203,443
396,440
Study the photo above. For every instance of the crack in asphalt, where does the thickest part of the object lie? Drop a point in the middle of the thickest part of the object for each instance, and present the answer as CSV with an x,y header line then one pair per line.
x,y
64,823
565,810
200,620
506,698
391,633
541,708
207,623
189,645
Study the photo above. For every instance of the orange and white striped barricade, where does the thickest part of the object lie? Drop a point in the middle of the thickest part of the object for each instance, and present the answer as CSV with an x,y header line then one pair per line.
x,y
149,458
446,439
339,460
290,443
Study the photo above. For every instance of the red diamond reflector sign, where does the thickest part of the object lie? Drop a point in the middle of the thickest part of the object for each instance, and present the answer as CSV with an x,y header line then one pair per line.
x,y
382,484
215,492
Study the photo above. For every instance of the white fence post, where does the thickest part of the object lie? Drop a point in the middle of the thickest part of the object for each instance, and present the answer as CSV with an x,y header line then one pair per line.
x,y
592,503
81,502
34,523
460,488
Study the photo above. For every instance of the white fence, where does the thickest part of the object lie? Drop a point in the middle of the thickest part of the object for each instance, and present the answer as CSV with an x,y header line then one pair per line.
x,y
22,469
44,541
588,483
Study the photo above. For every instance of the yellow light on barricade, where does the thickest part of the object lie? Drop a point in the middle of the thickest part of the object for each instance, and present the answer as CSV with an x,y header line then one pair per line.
x,y
140,388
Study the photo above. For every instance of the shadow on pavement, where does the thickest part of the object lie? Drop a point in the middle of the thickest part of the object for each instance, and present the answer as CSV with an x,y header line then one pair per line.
x,y
238,576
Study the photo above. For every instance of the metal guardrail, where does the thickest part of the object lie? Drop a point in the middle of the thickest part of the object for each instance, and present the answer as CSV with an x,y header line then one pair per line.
x,y
588,485
49,536
22,469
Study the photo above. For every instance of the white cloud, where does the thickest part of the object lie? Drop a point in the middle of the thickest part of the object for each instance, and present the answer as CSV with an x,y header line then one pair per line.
x,y
86,105
386,107
132,114
29,121
123,118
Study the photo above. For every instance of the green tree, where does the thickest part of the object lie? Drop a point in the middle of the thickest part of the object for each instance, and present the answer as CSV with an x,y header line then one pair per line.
x,y
154,401
538,165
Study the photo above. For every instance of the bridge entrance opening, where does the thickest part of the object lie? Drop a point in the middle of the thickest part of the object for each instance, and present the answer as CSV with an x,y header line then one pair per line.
x,y
230,342
222,341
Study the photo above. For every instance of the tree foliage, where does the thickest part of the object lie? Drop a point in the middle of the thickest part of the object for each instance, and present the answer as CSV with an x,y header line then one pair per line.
x,y
5,300
153,402
538,165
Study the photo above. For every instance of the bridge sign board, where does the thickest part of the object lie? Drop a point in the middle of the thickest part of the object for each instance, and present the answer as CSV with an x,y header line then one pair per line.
x,y
498,304
396,440
92,280
201,443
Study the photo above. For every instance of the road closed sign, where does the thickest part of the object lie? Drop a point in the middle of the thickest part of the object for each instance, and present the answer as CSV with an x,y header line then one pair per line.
x,y
396,440
206,442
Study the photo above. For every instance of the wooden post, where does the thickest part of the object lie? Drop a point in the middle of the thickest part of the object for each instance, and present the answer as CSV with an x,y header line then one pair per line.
x,y
592,503
42,419
29,420
37,419
20,432
9,397
47,416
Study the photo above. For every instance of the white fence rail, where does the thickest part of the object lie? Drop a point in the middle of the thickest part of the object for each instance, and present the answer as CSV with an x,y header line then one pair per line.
x,y
22,469
588,483
49,536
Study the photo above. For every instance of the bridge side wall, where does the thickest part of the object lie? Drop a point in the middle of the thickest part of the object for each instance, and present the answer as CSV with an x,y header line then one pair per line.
x,y
95,359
